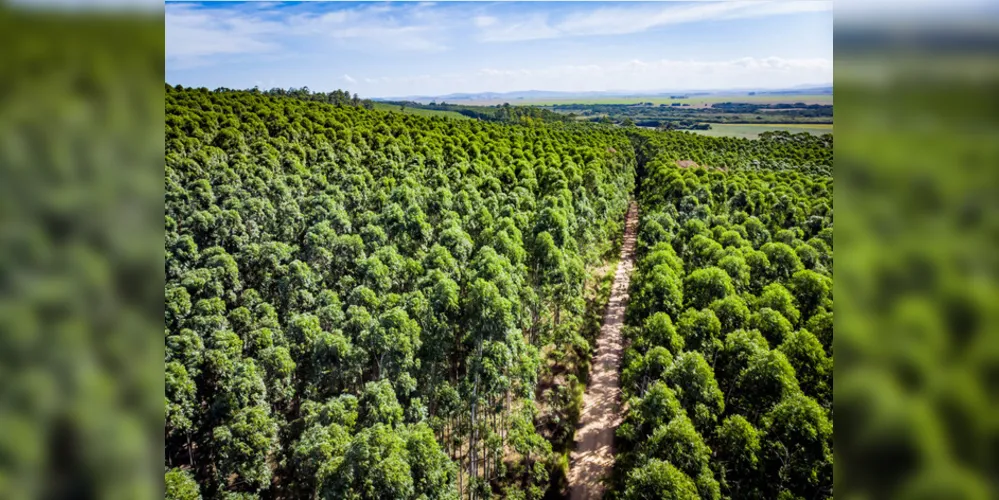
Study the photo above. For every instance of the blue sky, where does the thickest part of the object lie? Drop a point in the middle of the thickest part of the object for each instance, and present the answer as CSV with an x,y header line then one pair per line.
x,y
380,49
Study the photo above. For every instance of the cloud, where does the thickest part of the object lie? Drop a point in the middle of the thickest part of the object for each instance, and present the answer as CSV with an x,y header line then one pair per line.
x,y
408,38
404,28
373,47
621,20
196,33
634,18
193,34
484,21
533,28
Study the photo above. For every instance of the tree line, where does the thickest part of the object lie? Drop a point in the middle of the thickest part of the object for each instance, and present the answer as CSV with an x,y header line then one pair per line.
x,y
337,97
496,113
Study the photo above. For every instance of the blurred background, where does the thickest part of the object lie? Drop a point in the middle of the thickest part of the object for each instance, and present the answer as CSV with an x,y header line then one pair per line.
x,y
81,270
81,250
917,185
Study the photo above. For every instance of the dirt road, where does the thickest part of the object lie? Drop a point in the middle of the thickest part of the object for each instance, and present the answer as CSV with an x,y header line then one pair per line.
x,y
593,459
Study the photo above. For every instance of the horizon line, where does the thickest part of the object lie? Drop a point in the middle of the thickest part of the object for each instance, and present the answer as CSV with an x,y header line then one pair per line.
x,y
624,92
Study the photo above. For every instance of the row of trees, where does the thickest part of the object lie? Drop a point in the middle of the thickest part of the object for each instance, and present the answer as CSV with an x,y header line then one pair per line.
x,y
795,110
336,97
357,301
772,152
497,113
729,369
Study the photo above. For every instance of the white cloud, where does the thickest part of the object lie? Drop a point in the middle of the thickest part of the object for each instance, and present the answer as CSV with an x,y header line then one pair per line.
x,y
620,20
195,34
484,21
409,38
634,18
323,42
533,28
370,26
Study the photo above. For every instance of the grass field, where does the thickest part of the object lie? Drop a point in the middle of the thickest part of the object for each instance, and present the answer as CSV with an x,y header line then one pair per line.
x,y
695,101
753,130
380,106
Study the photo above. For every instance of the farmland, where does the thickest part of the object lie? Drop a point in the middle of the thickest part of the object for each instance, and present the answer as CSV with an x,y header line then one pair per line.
x,y
382,106
753,130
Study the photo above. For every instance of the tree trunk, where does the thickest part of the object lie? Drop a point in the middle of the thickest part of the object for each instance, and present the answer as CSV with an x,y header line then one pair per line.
x,y
460,459
472,467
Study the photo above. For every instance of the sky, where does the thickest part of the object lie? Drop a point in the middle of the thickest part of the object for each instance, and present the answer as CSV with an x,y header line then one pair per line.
x,y
382,49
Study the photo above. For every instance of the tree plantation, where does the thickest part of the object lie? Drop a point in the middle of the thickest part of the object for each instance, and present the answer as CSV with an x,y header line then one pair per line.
x,y
363,304
729,370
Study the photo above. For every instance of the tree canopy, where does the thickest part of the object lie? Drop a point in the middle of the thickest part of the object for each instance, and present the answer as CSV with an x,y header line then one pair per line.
x,y
730,392
357,301
369,304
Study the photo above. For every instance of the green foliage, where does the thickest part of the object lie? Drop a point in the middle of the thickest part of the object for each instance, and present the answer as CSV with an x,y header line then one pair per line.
x,y
777,298
315,451
798,447
433,471
362,304
660,292
378,405
821,325
767,379
335,271
679,444
700,330
704,286
783,260
659,331
732,313
813,368
749,238
694,382
772,324
811,290
739,347
656,407
642,371
181,486
242,444
737,269
374,466
659,480
738,448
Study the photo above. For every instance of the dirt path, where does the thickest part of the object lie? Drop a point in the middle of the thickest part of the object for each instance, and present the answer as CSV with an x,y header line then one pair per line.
x,y
594,456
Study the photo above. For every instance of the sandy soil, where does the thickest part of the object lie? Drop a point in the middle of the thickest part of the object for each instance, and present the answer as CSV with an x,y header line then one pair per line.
x,y
592,461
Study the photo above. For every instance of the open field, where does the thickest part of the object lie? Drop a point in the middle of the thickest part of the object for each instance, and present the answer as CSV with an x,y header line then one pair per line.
x,y
694,101
753,130
381,106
